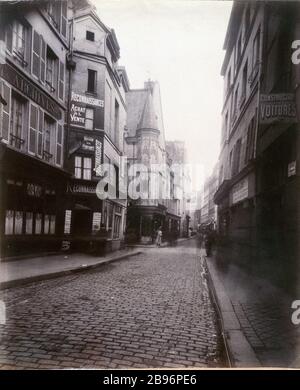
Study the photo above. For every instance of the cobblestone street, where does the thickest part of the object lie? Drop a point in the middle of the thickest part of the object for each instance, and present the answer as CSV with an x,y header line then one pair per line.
x,y
152,310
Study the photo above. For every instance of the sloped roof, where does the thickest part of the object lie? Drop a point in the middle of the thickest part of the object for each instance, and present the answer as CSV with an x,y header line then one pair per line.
x,y
148,119
135,101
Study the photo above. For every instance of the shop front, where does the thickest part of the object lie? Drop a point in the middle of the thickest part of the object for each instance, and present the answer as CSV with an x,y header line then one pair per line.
x,y
32,193
91,225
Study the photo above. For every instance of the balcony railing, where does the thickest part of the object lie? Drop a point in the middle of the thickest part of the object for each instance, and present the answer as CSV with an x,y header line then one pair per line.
x,y
19,55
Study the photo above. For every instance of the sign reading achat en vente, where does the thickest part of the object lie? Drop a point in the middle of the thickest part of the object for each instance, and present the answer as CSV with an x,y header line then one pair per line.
x,y
278,107
79,104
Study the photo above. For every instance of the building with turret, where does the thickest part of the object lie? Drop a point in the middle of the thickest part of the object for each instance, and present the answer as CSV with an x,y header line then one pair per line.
x,y
147,158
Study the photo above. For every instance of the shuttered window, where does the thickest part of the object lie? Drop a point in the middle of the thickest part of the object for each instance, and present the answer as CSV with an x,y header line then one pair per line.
x,y
5,114
61,81
40,134
42,59
36,55
59,141
64,6
33,128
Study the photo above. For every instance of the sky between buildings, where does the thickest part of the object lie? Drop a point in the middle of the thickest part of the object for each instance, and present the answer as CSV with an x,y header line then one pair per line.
x,y
180,44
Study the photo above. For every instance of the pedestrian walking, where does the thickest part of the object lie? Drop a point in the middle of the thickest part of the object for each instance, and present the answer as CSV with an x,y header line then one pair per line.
x,y
159,236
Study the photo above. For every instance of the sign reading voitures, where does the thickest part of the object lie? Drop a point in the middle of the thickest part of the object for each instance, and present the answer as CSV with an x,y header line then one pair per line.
x,y
79,103
277,107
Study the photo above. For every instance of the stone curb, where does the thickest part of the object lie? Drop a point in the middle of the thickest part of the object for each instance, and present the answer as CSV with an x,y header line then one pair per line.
x,y
53,275
241,353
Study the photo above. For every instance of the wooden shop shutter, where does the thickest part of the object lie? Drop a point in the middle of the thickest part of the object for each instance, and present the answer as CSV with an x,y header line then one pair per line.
x,y
42,58
61,80
36,53
40,134
5,114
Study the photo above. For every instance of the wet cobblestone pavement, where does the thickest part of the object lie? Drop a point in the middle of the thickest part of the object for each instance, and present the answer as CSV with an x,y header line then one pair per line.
x,y
152,310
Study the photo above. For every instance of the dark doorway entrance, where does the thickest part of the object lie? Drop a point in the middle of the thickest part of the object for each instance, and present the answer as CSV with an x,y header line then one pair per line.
x,y
82,222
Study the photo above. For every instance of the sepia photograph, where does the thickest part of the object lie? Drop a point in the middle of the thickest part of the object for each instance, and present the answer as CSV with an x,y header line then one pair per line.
x,y
149,187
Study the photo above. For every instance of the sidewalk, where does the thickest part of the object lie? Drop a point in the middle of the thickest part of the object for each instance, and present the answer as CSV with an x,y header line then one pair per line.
x,y
18,272
256,318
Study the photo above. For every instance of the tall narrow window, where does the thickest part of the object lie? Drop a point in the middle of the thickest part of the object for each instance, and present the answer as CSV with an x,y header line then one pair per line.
x,y
49,135
18,39
17,119
89,118
116,123
59,141
33,129
5,111
51,70
92,79
87,168
78,167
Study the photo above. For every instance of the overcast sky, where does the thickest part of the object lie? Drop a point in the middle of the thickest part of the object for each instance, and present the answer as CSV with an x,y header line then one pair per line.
x,y
178,43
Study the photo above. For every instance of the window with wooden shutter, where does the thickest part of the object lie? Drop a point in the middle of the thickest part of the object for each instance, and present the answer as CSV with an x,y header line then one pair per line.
x,y
42,59
36,55
40,134
5,118
64,6
33,128
59,141
61,81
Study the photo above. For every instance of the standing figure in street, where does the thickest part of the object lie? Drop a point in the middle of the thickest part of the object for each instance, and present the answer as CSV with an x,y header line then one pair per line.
x,y
159,236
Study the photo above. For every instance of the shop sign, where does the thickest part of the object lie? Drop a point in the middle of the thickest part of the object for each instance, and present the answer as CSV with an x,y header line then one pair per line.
x,y
278,107
96,221
240,191
67,227
88,144
98,157
30,90
81,188
79,103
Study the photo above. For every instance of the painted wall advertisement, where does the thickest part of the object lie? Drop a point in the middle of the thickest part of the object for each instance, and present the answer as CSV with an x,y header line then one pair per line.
x,y
278,107
79,104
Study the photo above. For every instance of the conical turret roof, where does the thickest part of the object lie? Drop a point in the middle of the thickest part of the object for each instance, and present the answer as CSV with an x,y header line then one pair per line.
x,y
148,118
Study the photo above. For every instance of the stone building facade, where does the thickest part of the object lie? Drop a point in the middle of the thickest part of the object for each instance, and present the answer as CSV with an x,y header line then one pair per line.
x,y
145,144
258,189
95,133
34,43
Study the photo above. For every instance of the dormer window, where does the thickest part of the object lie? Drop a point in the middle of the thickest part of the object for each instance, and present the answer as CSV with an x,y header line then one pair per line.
x,y
90,36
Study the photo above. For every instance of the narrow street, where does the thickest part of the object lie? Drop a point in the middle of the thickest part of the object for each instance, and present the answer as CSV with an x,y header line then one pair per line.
x,y
151,310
